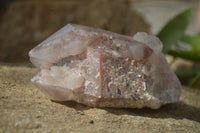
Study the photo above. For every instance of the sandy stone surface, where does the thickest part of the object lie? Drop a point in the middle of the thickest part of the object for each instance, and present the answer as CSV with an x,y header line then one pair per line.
x,y
23,108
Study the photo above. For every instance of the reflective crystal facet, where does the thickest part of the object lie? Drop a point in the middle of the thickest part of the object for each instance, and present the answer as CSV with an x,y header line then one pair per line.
x,y
104,69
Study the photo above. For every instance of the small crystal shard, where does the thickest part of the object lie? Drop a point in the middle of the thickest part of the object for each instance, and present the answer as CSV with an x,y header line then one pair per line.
x,y
104,69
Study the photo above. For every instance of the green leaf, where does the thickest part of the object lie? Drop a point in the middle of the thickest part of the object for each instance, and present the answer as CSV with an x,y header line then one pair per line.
x,y
186,73
193,54
175,28
186,55
193,41
195,80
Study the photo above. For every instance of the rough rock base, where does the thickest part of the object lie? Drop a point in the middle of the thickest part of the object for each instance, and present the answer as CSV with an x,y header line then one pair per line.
x,y
23,108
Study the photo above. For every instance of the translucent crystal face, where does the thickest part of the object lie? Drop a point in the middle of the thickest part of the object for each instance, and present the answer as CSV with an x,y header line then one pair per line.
x,y
104,69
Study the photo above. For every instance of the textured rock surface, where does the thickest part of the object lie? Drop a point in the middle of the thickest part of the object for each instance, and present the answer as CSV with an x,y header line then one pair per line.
x,y
104,69
23,108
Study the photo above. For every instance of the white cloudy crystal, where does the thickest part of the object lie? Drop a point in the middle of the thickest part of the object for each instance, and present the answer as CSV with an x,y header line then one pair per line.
x,y
104,69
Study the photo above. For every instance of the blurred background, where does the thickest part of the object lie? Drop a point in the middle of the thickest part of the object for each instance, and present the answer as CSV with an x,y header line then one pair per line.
x,y
25,23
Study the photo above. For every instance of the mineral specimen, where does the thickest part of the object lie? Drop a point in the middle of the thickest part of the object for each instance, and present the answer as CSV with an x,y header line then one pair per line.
x,y
104,69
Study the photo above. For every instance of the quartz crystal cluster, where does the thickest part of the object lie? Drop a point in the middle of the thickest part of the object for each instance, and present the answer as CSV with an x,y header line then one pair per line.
x,y
104,69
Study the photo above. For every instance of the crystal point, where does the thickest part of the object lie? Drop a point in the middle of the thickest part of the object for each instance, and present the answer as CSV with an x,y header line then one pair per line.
x,y
104,69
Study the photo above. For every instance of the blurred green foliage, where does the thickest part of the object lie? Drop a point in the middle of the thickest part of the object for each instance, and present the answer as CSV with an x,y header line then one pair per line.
x,y
177,44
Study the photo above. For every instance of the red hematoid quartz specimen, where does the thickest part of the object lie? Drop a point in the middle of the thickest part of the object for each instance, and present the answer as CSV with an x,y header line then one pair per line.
x,y
104,69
